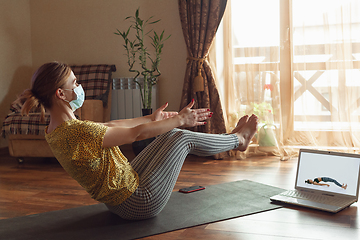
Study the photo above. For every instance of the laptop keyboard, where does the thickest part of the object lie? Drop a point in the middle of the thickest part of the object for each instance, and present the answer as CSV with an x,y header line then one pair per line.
x,y
315,198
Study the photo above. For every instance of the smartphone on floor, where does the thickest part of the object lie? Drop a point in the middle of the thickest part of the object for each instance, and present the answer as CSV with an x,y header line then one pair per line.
x,y
191,189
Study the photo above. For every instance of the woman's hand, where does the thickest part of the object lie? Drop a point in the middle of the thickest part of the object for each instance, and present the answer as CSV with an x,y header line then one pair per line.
x,y
194,117
159,114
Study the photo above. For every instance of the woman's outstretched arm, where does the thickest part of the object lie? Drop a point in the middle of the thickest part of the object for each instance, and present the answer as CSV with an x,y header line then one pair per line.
x,y
321,184
117,135
158,115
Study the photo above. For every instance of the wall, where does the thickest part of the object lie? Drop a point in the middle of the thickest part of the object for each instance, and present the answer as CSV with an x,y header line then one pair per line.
x,y
82,31
15,49
33,32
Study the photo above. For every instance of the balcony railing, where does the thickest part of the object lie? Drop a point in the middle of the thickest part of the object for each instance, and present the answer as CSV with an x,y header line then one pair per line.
x,y
316,68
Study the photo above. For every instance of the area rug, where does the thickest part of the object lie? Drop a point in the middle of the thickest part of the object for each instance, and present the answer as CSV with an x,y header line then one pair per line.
x,y
215,203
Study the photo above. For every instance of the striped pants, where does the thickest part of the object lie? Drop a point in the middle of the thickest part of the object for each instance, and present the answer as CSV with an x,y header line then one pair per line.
x,y
159,165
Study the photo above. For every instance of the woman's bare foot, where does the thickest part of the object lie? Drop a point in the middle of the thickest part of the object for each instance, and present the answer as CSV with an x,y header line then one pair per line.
x,y
246,132
344,186
240,123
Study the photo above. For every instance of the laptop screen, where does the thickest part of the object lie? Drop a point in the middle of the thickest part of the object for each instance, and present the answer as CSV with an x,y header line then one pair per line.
x,y
331,172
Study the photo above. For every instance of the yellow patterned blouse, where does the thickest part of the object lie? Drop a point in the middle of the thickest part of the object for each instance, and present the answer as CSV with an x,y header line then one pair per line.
x,y
105,173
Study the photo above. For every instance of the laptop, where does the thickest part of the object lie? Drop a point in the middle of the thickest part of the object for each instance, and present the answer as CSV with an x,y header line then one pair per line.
x,y
325,180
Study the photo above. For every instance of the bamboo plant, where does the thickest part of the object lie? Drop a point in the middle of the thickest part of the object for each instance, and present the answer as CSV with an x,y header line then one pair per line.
x,y
140,59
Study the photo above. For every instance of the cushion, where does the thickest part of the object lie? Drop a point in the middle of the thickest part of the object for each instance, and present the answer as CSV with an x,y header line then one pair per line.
x,y
95,80
15,123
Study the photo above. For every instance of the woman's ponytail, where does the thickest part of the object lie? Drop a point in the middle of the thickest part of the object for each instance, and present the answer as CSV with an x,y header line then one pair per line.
x,y
30,102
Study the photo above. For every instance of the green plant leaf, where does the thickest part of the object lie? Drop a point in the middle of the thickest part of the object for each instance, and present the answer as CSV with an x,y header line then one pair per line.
x,y
149,32
140,22
155,21
149,19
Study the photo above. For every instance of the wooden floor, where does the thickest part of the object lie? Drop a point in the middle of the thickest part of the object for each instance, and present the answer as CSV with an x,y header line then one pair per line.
x,y
39,185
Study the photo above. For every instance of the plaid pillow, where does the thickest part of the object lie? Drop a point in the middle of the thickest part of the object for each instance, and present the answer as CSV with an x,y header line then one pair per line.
x,y
15,123
15,106
95,80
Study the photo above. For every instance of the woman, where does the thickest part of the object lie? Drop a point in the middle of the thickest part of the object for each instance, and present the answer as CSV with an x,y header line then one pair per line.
x,y
317,181
89,151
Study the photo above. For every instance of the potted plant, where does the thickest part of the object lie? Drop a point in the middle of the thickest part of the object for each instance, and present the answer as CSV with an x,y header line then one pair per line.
x,y
143,62
266,135
264,111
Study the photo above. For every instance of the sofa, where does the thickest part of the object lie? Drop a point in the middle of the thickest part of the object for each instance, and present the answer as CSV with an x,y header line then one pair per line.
x,y
26,134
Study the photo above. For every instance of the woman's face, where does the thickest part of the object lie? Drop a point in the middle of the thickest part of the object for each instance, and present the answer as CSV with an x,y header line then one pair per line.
x,y
70,85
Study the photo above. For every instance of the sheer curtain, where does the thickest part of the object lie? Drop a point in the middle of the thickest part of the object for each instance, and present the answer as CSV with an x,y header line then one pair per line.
x,y
326,84
294,64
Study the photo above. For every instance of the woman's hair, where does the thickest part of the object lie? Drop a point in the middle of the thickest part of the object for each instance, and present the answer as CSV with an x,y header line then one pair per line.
x,y
307,181
44,83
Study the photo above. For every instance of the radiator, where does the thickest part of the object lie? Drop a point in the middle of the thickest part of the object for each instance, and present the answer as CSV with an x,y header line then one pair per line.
x,y
126,99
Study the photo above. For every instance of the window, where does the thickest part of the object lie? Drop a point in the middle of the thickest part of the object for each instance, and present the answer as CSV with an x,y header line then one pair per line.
x,y
306,51
326,40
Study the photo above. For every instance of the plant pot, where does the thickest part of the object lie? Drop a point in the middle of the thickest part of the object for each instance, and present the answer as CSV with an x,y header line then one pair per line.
x,y
138,146
146,112
267,138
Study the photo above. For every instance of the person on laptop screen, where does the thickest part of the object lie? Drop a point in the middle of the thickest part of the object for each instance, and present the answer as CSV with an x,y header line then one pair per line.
x,y
317,181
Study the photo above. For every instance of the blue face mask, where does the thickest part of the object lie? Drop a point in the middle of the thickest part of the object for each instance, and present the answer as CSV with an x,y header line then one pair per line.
x,y
80,97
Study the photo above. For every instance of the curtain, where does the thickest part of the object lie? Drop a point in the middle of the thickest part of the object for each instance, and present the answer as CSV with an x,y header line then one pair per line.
x,y
296,67
326,83
200,20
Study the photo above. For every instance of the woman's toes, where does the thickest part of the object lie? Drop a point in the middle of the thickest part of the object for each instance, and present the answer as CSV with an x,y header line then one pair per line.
x,y
240,123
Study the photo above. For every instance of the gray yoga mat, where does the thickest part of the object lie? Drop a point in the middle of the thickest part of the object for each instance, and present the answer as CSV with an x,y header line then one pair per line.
x,y
215,203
